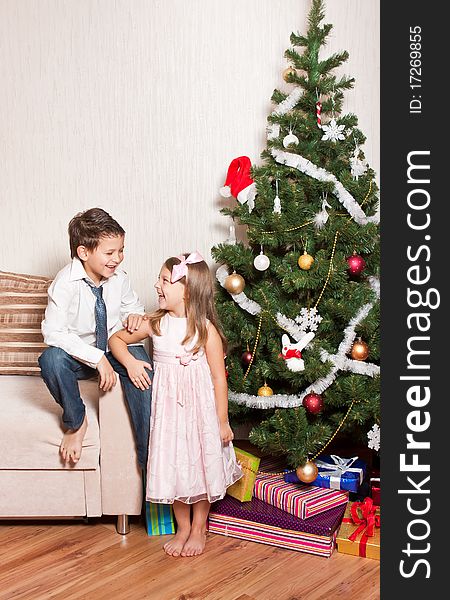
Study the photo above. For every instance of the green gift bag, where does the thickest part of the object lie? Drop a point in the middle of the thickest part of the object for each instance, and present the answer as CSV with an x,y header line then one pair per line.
x,y
159,519
242,490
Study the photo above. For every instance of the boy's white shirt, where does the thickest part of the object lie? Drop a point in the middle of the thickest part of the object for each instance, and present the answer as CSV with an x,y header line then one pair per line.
x,y
69,321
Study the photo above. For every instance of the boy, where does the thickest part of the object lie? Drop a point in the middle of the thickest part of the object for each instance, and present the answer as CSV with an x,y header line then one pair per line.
x,y
90,299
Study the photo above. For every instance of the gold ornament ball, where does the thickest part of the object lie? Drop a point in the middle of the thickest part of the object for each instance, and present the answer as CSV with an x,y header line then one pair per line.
x,y
265,390
308,472
305,261
360,350
287,72
234,283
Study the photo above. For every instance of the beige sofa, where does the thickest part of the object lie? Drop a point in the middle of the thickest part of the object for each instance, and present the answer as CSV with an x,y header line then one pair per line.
x,y
34,482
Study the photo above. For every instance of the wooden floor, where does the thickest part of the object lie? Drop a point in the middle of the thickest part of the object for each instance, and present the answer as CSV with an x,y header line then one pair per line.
x,y
75,560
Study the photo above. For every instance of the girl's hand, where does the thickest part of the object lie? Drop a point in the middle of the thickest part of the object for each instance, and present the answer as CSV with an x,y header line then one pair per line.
x,y
138,375
133,322
226,433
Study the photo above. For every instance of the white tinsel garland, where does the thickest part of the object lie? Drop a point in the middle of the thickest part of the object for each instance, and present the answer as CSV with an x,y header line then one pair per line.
x,y
273,129
288,104
265,402
345,198
339,360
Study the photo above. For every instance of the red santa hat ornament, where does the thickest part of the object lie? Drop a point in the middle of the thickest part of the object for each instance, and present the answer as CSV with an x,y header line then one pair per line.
x,y
239,184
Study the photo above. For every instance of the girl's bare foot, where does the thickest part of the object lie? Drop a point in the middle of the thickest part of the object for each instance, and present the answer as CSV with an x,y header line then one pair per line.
x,y
196,543
72,442
175,545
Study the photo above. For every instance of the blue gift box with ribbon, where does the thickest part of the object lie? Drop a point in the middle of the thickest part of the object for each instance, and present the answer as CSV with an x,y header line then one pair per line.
x,y
335,473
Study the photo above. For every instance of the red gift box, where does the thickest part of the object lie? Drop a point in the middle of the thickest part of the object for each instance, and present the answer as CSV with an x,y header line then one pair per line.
x,y
375,490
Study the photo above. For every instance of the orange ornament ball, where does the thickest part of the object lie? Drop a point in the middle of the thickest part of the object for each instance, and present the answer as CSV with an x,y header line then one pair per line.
x,y
265,390
308,472
234,283
287,72
305,261
360,350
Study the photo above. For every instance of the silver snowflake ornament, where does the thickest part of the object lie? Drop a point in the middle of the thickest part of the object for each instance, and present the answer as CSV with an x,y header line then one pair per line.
x,y
308,318
333,131
374,437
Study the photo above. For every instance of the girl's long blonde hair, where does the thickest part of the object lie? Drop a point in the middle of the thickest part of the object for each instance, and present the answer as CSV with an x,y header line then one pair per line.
x,y
199,302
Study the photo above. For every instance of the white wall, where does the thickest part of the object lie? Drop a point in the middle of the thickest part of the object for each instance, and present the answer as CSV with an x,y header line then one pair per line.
x,y
138,106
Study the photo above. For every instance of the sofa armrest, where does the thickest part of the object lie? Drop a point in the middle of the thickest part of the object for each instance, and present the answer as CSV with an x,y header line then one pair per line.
x,y
121,479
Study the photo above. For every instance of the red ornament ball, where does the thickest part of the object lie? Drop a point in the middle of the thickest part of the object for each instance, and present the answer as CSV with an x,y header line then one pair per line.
x,y
313,403
246,357
356,264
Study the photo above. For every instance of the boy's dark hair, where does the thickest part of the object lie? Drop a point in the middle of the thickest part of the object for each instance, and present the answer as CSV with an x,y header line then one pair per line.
x,y
88,227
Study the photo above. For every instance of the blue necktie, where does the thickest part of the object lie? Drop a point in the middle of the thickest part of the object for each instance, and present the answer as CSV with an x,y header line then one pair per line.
x,y
101,327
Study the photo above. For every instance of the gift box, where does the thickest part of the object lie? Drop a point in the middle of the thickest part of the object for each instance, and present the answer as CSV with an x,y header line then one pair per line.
x,y
375,490
258,521
359,533
336,473
301,500
159,519
242,490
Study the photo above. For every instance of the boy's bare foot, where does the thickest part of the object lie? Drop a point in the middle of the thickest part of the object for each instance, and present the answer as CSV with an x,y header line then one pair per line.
x,y
175,545
196,543
71,444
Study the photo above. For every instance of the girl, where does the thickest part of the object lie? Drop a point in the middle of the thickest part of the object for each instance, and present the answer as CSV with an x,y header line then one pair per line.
x,y
191,456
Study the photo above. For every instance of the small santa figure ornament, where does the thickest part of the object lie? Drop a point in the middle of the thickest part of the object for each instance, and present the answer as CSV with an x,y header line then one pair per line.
x,y
291,353
239,183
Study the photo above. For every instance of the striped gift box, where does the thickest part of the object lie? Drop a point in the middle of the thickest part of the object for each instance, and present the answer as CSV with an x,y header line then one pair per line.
x,y
303,501
159,519
23,300
257,521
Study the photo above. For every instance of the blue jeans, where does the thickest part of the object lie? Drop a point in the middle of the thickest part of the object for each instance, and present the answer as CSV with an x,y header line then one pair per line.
x,y
61,373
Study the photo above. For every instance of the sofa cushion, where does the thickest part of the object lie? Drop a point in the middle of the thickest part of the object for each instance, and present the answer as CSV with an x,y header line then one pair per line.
x,y
30,427
23,299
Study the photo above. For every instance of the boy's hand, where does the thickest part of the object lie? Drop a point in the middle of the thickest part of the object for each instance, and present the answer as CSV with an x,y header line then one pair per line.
x,y
226,433
107,375
133,322
138,375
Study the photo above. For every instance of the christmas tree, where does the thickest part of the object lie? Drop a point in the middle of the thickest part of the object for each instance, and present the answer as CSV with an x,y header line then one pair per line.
x,y
299,300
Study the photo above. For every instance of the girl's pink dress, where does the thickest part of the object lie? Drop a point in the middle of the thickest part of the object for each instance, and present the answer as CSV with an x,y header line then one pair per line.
x,y
187,459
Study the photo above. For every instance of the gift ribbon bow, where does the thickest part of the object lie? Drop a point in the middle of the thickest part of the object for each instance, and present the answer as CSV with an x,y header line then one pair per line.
x,y
185,359
367,522
336,470
181,270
